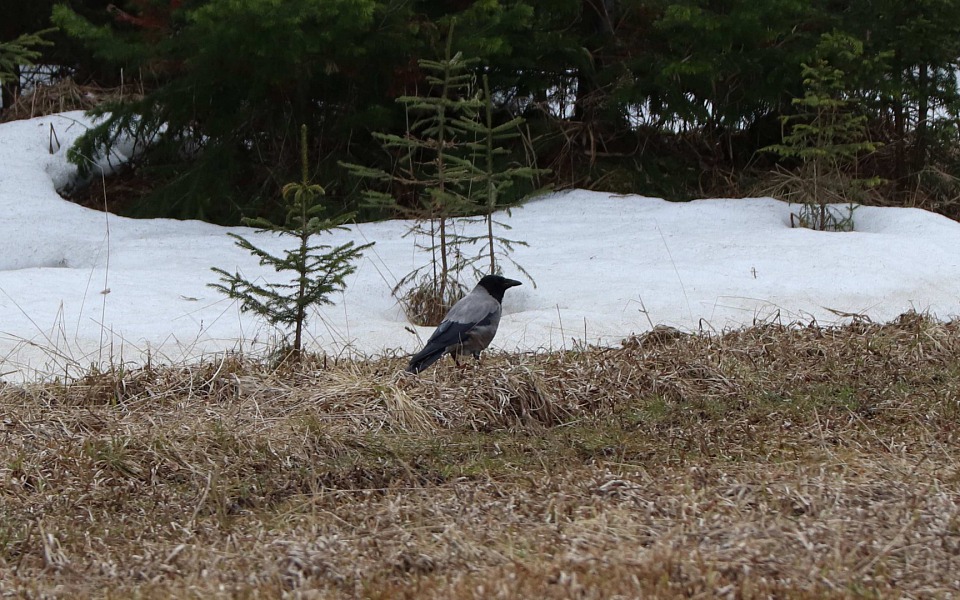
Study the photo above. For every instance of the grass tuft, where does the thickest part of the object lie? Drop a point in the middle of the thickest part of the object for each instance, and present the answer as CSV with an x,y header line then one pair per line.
x,y
788,462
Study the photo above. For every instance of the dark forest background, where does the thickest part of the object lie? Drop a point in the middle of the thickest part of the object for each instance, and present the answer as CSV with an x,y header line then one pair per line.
x,y
663,98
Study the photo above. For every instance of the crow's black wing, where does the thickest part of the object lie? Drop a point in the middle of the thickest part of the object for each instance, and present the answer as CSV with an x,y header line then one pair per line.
x,y
450,333
447,334
477,311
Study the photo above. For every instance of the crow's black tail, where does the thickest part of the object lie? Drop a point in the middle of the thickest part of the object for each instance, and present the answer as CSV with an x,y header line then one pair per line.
x,y
426,357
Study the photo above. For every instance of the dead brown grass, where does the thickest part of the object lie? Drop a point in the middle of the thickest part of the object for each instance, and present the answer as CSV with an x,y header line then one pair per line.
x,y
774,462
64,95
424,303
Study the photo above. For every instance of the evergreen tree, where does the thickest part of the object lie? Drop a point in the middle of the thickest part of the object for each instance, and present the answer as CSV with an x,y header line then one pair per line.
x,y
827,136
714,67
227,83
432,168
15,54
318,270
493,180
671,98
915,95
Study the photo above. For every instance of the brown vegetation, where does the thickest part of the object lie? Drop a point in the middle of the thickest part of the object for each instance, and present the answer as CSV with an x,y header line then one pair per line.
x,y
62,96
786,462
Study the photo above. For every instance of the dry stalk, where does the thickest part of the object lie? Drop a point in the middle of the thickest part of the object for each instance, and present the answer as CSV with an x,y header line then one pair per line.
x,y
776,461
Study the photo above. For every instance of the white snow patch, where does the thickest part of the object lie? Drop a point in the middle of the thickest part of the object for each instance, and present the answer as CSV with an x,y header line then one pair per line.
x,y
78,287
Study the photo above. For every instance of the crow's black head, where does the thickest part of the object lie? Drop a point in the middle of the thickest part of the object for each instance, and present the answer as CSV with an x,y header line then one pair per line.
x,y
496,285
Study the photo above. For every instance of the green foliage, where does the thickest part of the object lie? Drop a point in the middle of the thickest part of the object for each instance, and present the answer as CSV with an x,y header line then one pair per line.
x,y
713,64
20,52
433,168
318,270
917,90
827,136
493,180
448,166
118,50
225,87
64,54
605,86
826,129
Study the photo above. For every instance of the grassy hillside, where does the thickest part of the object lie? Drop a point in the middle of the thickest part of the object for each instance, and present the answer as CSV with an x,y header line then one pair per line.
x,y
786,462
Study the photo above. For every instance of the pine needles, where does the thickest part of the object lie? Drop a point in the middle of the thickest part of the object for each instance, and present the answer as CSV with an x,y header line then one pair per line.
x,y
319,270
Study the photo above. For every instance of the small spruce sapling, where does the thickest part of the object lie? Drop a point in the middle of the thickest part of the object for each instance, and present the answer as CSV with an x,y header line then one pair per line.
x,y
318,270
827,136
432,166
20,52
492,181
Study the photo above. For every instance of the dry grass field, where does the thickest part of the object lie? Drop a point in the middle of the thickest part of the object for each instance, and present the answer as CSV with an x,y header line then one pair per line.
x,y
774,462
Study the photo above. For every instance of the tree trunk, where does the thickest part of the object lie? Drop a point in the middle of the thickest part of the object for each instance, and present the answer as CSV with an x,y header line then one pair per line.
x,y
597,16
900,141
923,110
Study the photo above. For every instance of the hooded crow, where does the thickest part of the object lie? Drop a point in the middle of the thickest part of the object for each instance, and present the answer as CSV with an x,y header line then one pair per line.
x,y
470,325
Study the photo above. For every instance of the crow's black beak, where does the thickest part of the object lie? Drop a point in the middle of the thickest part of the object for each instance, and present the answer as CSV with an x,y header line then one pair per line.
x,y
511,283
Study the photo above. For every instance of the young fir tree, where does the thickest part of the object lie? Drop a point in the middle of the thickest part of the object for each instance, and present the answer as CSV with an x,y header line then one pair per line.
x,y
432,168
318,270
493,181
15,54
827,136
